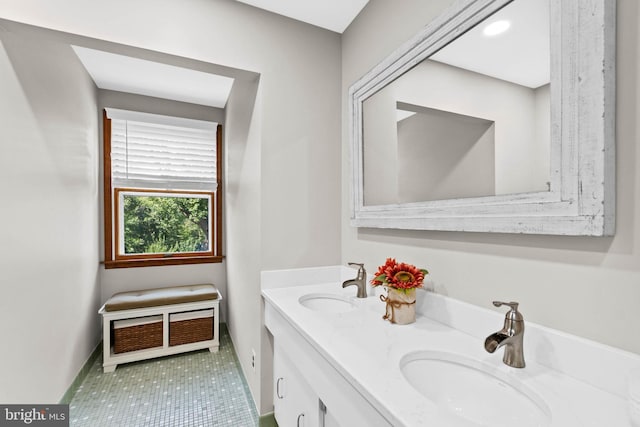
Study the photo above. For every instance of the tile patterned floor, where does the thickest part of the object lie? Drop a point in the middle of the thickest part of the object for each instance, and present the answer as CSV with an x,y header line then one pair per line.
x,y
193,389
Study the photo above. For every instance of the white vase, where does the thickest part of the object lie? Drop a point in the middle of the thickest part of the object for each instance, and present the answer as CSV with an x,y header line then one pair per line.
x,y
401,306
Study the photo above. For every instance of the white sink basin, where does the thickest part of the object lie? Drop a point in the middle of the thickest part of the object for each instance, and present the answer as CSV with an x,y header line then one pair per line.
x,y
326,303
470,393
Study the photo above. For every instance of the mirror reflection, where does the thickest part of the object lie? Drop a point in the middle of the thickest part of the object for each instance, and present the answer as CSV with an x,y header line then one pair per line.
x,y
472,120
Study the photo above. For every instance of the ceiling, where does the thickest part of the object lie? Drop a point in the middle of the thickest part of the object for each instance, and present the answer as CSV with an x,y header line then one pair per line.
x,y
334,15
133,75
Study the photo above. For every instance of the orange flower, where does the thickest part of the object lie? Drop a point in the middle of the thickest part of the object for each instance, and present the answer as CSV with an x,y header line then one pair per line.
x,y
399,276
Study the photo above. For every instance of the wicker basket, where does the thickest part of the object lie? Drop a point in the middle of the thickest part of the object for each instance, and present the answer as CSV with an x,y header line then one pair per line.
x,y
137,334
189,327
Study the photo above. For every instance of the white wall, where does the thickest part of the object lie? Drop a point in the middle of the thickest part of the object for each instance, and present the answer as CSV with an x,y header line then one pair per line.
x,y
585,286
244,207
49,219
286,211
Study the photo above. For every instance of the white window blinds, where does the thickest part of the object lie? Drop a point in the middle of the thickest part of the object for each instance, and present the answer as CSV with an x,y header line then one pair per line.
x,y
161,152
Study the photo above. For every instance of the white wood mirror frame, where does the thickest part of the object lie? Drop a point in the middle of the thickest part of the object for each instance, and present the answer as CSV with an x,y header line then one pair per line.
x,y
581,200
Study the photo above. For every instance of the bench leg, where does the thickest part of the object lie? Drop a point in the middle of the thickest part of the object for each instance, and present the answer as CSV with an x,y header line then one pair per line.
x,y
106,346
110,368
214,348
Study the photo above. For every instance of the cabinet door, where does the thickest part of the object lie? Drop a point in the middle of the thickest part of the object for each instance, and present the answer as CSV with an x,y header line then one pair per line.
x,y
327,418
280,382
295,403
330,420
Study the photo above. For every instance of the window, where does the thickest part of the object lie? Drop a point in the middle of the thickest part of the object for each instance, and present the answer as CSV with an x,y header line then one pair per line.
x,y
162,190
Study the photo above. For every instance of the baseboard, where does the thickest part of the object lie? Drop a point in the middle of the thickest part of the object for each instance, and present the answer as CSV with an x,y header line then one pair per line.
x,y
82,374
267,421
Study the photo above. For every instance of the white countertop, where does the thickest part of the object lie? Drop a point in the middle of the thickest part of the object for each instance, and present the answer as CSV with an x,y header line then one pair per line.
x,y
366,350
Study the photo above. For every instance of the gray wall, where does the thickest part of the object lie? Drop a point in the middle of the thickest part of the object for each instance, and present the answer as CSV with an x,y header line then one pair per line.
x,y
444,155
521,115
49,219
585,286
283,135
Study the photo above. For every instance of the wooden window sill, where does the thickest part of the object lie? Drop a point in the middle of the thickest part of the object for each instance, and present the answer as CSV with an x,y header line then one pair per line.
x,y
155,262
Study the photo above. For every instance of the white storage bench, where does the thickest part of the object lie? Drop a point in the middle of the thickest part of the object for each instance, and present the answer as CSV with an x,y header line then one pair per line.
x,y
142,325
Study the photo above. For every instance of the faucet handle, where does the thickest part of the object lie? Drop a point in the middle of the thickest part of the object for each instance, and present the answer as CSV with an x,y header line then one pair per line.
x,y
359,265
513,313
361,271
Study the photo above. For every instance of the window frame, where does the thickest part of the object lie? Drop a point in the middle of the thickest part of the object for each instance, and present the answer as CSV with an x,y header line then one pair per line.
x,y
113,259
119,225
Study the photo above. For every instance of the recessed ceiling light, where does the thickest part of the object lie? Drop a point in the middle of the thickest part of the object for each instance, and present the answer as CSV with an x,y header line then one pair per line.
x,y
496,28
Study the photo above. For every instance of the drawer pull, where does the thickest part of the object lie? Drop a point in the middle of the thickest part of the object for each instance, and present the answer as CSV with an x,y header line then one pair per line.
x,y
278,388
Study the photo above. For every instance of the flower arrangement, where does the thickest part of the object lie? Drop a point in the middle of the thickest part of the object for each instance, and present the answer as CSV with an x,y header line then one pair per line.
x,y
399,276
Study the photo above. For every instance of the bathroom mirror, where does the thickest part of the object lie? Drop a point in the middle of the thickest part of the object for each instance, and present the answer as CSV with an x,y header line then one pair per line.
x,y
511,131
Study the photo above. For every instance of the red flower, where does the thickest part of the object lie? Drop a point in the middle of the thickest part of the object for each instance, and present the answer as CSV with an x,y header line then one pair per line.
x,y
399,276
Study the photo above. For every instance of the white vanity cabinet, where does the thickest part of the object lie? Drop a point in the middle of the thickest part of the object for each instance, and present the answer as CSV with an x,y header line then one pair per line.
x,y
295,403
306,382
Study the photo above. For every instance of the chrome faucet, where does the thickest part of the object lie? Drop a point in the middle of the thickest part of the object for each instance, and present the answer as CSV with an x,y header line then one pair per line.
x,y
510,336
360,281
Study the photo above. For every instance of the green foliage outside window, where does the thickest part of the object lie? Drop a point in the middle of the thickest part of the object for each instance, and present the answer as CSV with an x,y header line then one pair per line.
x,y
165,224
